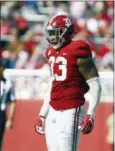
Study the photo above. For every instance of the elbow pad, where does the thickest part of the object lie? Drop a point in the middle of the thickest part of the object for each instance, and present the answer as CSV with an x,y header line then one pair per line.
x,y
95,93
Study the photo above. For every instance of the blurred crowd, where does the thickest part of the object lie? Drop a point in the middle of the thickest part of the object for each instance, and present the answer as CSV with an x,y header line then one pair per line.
x,y
23,30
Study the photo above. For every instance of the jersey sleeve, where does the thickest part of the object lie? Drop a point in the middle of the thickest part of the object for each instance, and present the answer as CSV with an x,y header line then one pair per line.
x,y
82,49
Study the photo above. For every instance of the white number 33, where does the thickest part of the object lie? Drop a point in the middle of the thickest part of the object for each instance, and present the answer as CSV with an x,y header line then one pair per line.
x,y
62,67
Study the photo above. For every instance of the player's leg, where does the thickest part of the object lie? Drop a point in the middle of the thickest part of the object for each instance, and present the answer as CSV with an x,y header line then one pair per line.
x,y
50,131
68,132
65,124
79,119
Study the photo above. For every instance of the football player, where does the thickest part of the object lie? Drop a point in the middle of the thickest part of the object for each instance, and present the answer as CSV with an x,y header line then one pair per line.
x,y
73,73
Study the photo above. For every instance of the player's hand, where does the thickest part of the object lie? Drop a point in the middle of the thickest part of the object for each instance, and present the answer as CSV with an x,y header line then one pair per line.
x,y
87,124
40,125
9,124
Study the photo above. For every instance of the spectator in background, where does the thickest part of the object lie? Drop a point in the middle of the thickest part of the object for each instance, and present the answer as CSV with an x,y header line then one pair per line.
x,y
22,59
7,101
5,27
21,25
30,47
105,55
14,46
94,21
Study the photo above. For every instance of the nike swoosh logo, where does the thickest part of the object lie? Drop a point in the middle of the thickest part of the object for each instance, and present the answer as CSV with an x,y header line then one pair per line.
x,y
64,53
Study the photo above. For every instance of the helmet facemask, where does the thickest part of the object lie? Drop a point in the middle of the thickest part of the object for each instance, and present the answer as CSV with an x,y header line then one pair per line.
x,y
55,35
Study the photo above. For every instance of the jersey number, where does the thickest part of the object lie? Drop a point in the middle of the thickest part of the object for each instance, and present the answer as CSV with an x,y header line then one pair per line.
x,y
62,67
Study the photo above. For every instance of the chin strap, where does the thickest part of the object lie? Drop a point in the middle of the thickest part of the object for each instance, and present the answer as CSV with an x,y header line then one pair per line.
x,y
95,93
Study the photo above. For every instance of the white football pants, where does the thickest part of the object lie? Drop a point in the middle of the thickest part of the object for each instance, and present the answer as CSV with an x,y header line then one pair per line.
x,y
61,129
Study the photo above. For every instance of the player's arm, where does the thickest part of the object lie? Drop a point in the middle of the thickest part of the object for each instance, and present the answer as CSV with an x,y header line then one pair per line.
x,y
11,108
89,71
10,116
44,110
45,107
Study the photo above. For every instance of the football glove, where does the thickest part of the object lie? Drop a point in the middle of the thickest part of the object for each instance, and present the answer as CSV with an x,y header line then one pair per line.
x,y
40,125
87,124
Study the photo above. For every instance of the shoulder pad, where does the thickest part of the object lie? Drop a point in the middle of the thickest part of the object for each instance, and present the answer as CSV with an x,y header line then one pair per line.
x,y
82,49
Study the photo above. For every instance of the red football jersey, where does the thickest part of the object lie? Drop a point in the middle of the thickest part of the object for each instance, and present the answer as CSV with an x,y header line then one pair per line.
x,y
69,86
